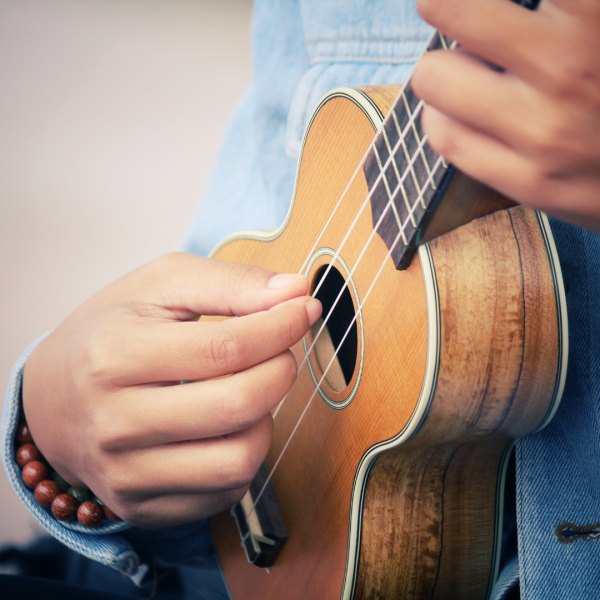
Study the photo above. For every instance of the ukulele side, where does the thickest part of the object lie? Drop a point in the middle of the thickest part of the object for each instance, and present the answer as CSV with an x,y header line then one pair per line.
x,y
412,508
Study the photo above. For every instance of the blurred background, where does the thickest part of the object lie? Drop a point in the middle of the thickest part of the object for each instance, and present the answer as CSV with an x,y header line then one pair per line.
x,y
111,114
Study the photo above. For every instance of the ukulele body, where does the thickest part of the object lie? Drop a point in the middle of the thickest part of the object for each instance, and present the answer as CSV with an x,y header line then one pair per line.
x,y
393,487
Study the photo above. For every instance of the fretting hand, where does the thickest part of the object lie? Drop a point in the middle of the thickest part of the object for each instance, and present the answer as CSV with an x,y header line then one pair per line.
x,y
101,395
531,130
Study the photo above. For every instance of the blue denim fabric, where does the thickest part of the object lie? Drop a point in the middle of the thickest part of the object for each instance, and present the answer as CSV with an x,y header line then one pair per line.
x,y
303,49
508,579
558,469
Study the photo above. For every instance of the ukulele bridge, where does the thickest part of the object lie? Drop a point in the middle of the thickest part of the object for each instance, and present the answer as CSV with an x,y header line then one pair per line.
x,y
260,524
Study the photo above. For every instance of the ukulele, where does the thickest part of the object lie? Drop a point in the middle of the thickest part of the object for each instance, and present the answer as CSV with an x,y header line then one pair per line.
x,y
443,340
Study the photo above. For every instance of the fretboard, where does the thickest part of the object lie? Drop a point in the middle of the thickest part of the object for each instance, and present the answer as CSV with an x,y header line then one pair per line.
x,y
404,197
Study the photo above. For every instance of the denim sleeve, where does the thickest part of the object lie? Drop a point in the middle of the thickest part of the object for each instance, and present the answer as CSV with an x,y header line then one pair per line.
x,y
115,544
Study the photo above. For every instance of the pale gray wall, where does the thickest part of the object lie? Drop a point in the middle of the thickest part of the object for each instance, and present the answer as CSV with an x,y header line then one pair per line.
x,y
111,112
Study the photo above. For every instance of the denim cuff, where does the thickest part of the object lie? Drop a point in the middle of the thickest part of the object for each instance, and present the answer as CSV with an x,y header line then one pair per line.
x,y
100,543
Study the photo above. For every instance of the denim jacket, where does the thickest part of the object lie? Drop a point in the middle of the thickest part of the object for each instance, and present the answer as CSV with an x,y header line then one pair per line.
x,y
303,49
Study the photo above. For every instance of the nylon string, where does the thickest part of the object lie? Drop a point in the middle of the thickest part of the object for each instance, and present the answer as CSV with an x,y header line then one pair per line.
x,y
336,255
358,311
354,222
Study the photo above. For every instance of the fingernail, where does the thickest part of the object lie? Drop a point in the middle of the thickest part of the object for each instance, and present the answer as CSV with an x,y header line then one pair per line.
x,y
313,310
282,280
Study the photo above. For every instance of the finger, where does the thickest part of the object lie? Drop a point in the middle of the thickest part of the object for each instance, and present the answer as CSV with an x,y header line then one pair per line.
x,y
182,286
464,88
553,133
170,510
159,352
498,30
479,155
489,160
206,466
149,416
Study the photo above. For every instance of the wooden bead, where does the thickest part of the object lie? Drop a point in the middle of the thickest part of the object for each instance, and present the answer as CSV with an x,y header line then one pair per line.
x,y
109,514
23,433
33,473
46,491
26,453
64,507
90,514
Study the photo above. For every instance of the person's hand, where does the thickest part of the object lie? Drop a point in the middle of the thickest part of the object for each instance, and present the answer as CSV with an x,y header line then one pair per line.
x,y
531,131
102,396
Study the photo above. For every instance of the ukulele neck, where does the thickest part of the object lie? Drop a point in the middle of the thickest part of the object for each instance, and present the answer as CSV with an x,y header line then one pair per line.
x,y
406,177
415,194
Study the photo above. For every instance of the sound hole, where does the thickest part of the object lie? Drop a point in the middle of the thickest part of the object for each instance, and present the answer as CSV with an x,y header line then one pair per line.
x,y
340,373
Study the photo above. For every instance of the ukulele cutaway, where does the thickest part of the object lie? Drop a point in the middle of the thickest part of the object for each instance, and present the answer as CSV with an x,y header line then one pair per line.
x,y
392,486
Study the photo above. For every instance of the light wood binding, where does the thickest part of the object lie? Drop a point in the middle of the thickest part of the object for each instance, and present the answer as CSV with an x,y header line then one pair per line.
x,y
428,517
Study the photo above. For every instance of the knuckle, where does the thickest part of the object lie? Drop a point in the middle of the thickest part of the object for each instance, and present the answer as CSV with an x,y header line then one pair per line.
x,y
552,135
106,430
224,351
289,368
237,408
234,497
136,514
240,274
113,435
99,362
159,269
109,434
121,484
239,470
288,331
570,74
223,500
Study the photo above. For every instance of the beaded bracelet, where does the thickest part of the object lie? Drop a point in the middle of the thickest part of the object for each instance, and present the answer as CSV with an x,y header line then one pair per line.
x,y
50,489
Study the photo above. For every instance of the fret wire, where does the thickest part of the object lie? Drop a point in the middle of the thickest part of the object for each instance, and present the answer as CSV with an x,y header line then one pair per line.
x,y
412,168
387,188
369,197
416,133
402,135
392,154
411,118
